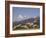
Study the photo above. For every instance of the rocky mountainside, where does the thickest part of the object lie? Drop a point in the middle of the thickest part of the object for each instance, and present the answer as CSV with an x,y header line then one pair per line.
x,y
27,23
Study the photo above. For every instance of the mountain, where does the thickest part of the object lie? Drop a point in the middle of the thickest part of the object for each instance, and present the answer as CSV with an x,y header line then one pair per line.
x,y
30,23
29,20
20,17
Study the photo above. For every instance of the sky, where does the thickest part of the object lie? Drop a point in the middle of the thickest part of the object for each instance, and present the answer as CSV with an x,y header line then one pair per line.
x,y
21,13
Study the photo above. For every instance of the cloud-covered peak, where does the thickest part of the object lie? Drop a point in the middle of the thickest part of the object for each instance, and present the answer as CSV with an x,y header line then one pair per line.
x,y
20,16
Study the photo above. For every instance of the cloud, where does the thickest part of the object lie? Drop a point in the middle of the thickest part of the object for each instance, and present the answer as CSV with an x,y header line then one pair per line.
x,y
20,16
25,16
